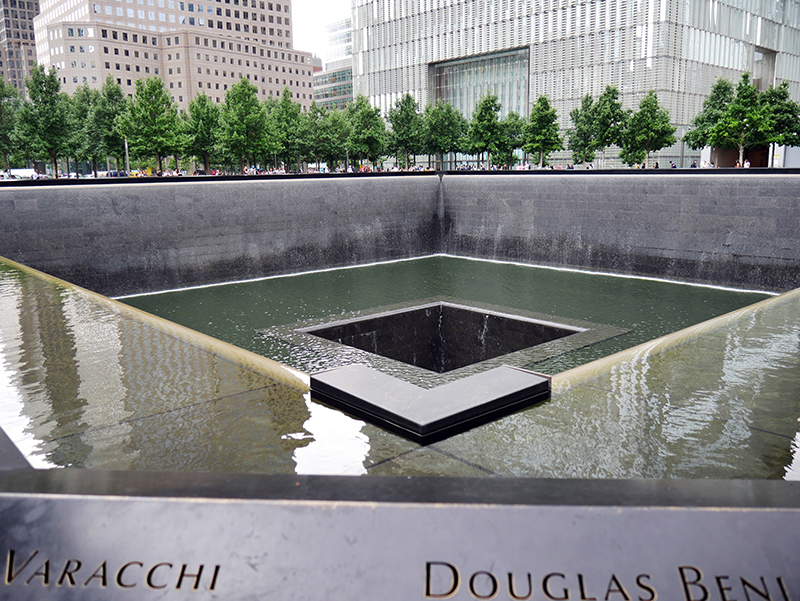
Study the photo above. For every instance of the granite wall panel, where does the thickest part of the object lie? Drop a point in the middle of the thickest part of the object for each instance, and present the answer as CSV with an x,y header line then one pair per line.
x,y
723,228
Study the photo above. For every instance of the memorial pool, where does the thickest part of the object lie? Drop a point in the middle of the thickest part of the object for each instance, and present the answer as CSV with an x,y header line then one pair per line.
x,y
648,308
95,384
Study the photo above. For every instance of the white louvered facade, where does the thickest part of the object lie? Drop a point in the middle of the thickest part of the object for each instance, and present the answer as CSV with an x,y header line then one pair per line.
x,y
676,47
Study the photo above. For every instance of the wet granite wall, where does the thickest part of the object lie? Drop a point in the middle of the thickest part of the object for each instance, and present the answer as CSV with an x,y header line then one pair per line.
x,y
712,227
720,228
117,239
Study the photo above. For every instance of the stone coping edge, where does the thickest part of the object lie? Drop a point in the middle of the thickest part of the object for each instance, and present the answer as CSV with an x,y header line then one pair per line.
x,y
584,374
714,494
276,371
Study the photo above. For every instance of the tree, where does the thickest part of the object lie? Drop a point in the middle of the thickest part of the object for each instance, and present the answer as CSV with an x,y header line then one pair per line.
x,y
541,131
406,136
485,131
334,133
746,123
81,145
784,115
9,106
201,127
244,123
151,121
367,135
311,132
714,107
42,124
103,122
581,136
609,120
647,130
445,129
286,120
512,138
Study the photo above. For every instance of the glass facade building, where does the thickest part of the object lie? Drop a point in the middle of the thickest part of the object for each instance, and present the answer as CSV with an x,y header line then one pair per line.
x,y
575,47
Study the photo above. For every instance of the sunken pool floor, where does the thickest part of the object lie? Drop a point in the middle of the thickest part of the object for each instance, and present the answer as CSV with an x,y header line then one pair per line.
x,y
92,383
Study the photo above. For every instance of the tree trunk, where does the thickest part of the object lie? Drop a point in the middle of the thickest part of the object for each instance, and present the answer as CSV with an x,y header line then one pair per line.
x,y
206,162
741,155
54,162
94,166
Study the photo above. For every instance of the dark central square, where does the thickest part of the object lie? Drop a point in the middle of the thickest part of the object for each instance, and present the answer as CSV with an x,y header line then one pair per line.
x,y
442,337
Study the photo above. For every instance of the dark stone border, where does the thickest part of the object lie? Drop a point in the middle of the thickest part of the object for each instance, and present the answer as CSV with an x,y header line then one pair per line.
x,y
100,181
391,489
427,416
297,334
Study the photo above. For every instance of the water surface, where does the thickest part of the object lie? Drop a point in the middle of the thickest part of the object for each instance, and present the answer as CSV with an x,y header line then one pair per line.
x,y
649,308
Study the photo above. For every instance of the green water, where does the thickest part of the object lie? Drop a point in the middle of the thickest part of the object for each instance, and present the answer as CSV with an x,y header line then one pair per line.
x,y
234,312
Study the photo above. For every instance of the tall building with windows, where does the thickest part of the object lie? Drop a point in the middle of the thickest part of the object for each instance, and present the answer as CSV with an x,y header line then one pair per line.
x,y
194,47
333,87
456,50
17,40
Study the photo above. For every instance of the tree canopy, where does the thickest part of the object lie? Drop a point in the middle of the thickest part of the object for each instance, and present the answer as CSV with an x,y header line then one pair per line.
x,y
541,132
485,132
609,120
42,121
445,130
581,137
646,130
407,133
150,122
714,107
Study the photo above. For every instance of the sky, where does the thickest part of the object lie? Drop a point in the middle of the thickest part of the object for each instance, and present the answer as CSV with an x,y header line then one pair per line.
x,y
310,18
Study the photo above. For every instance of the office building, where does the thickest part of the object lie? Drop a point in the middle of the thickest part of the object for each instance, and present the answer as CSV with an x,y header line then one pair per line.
x,y
194,47
333,87
17,43
456,50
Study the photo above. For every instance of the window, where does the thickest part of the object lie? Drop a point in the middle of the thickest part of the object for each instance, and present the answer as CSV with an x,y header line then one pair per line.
x,y
104,33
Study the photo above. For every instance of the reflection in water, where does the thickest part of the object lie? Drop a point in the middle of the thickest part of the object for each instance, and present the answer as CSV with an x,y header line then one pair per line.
x,y
12,408
337,445
793,469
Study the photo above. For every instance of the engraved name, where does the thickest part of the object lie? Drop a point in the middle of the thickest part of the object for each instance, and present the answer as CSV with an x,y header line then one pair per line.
x,y
444,579
36,568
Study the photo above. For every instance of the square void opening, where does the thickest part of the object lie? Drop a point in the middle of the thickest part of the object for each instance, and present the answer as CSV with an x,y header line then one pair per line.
x,y
442,337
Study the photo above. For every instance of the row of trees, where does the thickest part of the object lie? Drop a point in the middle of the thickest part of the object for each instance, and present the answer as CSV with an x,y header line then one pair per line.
x,y
92,124
741,117
598,125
